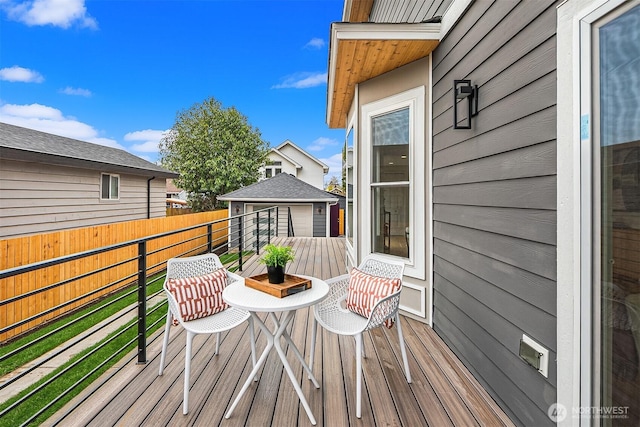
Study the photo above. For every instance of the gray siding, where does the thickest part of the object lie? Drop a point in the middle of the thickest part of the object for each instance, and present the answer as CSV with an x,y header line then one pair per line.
x,y
37,198
494,194
407,10
320,220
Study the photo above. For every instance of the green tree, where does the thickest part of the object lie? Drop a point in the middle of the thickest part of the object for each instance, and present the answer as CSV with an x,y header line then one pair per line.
x,y
215,151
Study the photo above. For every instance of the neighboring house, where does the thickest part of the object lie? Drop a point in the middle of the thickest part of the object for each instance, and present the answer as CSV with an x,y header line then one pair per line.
x,y
289,158
50,183
309,206
174,192
176,198
524,227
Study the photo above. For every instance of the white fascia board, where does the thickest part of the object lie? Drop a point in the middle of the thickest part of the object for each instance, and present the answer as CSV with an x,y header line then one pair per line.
x,y
278,201
386,31
288,142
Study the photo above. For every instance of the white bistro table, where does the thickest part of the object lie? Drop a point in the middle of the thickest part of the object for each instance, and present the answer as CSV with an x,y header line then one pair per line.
x,y
254,301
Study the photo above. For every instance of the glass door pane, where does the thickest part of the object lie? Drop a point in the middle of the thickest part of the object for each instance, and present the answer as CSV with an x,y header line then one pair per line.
x,y
617,80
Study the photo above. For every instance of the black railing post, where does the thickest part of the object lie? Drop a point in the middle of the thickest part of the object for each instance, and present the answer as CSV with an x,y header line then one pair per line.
x,y
209,238
258,233
269,226
142,302
240,243
277,220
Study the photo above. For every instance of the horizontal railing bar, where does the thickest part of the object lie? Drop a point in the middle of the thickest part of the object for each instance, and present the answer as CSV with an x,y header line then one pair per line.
x,y
66,325
59,306
64,282
59,260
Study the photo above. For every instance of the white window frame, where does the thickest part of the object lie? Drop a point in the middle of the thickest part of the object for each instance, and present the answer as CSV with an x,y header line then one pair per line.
x,y
574,203
111,176
351,246
414,99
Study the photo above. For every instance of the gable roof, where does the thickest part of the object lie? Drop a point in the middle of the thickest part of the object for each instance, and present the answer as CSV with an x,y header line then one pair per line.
x,y
285,157
325,168
23,144
280,188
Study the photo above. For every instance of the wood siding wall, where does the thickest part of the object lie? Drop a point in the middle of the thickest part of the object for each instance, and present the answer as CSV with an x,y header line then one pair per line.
x,y
27,250
35,198
494,194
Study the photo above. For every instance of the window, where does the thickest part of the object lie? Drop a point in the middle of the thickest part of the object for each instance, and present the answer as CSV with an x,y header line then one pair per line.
x,y
390,182
110,187
394,174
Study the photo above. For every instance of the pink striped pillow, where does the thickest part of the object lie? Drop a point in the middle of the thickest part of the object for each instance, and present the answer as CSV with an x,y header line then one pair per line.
x,y
365,291
199,296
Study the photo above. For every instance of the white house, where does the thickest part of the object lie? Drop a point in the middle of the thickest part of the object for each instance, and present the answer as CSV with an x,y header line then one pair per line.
x,y
289,158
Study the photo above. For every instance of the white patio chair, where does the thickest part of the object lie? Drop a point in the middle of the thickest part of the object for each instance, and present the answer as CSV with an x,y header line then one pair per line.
x,y
181,268
333,315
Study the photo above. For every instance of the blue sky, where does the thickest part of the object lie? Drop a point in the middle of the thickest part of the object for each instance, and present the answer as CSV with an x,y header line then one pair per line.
x,y
116,72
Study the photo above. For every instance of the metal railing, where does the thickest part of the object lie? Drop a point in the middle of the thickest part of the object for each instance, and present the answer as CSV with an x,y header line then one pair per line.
x,y
246,234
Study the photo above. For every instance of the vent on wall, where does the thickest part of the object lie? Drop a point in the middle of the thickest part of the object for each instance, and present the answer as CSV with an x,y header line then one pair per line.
x,y
535,355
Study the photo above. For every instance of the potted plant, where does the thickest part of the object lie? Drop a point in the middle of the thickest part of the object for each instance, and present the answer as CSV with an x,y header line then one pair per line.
x,y
276,257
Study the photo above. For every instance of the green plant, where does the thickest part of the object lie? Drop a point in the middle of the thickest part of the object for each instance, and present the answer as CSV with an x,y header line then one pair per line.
x,y
277,256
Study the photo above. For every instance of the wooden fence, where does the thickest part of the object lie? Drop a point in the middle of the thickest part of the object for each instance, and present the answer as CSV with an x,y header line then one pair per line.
x,y
31,249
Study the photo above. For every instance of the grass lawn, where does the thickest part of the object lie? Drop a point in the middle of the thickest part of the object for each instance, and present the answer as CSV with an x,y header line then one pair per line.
x,y
42,399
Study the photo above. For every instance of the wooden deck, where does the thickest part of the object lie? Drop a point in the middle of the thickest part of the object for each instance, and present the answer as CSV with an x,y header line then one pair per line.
x,y
443,392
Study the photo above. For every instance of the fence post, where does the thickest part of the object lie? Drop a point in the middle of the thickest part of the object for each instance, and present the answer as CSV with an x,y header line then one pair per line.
x,y
258,233
142,302
269,226
240,250
209,238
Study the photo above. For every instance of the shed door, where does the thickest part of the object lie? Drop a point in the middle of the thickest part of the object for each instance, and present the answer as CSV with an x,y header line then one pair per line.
x,y
302,218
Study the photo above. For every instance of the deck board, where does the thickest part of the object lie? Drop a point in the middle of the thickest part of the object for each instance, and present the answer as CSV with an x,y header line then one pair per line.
x,y
442,393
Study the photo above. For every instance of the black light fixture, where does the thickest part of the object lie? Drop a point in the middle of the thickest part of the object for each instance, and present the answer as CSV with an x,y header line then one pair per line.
x,y
237,209
462,90
319,210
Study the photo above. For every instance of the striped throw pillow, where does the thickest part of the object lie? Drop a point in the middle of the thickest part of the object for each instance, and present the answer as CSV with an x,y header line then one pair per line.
x,y
199,296
365,290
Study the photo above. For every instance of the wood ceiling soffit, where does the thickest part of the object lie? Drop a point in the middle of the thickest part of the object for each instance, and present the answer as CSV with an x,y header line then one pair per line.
x,y
361,60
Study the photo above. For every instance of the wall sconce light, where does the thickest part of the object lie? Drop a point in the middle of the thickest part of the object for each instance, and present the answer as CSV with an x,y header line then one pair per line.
x,y
237,209
462,90
319,210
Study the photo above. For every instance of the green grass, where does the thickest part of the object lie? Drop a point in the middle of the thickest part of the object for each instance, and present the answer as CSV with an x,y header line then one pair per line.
x,y
94,360
68,380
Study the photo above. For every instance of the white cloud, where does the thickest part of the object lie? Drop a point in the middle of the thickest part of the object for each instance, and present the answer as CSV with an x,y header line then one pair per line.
x,y
76,91
59,13
149,137
19,74
322,143
51,120
335,167
315,43
302,81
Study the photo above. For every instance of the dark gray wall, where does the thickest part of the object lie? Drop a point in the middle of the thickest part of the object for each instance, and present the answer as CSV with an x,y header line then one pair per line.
x,y
494,191
407,10
320,220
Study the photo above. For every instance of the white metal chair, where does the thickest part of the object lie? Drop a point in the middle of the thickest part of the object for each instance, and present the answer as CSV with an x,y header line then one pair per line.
x,y
180,268
333,315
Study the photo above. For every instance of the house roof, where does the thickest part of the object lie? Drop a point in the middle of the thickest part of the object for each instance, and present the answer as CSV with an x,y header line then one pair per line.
x,y
23,144
280,188
325,168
